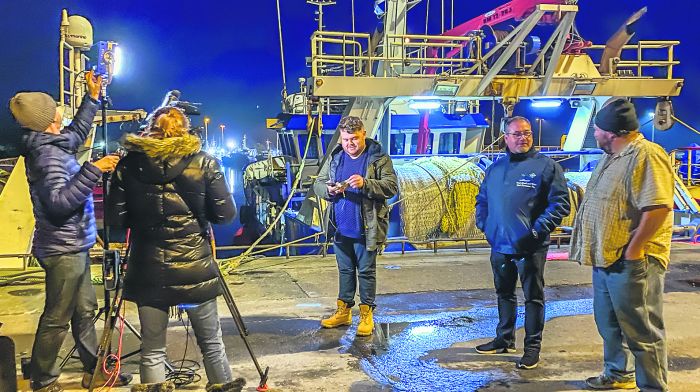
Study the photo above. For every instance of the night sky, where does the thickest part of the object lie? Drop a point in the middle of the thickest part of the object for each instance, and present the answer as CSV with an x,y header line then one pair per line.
x,y
225,54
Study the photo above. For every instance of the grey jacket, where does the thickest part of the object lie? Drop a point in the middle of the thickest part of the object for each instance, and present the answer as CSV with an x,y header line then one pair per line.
x,y
380,185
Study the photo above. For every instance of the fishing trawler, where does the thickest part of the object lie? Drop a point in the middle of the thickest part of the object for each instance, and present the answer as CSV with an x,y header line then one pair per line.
x,y
436,102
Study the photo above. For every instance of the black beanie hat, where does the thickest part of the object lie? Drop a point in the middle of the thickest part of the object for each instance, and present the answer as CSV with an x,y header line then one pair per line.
x,y
618,117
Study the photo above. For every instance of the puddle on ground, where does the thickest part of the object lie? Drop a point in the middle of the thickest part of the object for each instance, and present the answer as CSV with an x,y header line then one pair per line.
x,y
25,292
398,354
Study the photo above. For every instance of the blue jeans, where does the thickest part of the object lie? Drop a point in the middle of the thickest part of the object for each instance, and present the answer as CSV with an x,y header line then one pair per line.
x,y
355,263
70,297
628,310
506,269
207,329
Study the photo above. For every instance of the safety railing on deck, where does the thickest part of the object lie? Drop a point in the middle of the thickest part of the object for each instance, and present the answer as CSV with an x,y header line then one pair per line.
x,y
643,54
686,167
354,54
24,256
8,163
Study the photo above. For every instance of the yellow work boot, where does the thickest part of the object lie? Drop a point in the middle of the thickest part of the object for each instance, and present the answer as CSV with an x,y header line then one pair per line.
x,y
366,325
342,316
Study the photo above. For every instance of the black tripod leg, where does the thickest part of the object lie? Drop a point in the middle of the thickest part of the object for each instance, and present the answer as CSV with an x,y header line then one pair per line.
x,y
242,330
235,313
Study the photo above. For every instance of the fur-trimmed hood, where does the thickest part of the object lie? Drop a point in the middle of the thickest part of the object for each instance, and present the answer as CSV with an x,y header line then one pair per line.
x,y
163,149
159,161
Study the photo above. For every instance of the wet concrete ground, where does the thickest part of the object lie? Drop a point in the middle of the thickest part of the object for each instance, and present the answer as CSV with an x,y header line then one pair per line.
x,y
432,310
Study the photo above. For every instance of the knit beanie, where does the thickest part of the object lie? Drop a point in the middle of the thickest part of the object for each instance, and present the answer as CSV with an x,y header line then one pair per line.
x,y
35,110
618,117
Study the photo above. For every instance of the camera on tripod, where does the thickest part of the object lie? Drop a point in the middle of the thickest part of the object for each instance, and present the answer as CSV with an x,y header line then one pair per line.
x,y
111,269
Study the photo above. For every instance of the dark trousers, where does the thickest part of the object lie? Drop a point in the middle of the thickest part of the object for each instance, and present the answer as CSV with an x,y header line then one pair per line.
x,y
70,298
506,269
355,263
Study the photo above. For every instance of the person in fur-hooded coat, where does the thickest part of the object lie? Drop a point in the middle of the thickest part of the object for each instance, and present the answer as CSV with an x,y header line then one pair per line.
x,y
166,191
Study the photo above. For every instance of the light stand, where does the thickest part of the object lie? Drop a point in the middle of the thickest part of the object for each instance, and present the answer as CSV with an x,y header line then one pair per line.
x,y
105,175
114,268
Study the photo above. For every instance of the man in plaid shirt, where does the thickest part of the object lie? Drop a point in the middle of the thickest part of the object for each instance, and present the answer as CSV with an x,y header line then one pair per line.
x,y
623,229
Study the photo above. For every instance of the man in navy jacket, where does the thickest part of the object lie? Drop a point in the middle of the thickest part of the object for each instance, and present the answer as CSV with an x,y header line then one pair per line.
x,y
523,198
61,193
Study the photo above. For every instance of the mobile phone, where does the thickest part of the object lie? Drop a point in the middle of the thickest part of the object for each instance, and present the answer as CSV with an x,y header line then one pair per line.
x,y
342,185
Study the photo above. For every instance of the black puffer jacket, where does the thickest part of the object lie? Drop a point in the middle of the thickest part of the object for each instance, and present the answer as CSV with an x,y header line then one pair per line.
x,y
170,261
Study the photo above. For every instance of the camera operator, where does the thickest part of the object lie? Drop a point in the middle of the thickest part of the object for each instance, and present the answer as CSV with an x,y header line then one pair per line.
x,y
61,193
166,190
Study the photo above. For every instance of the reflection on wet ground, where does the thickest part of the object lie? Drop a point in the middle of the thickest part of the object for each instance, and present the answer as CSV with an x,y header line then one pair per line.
x,y
402,360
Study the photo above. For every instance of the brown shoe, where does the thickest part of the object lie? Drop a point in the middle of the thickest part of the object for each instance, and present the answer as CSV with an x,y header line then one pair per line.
x,y
165,386
233,386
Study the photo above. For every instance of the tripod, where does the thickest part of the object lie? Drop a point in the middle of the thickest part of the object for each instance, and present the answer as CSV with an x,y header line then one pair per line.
x,y
237,318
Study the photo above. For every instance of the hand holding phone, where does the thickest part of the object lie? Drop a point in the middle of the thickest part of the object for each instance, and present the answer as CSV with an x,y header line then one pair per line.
x,y
335,188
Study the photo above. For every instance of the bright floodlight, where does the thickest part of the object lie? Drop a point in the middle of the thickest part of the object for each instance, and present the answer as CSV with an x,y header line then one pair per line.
x,y
231,144
651,114
546,103
424,104
118,61
109,59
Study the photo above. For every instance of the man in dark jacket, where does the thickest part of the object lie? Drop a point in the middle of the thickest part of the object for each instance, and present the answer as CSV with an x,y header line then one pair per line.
x,y
523,198
358,179
61,193
166,190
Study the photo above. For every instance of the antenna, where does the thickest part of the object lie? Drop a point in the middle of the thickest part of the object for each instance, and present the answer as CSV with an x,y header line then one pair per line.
x,y
319,13
319,17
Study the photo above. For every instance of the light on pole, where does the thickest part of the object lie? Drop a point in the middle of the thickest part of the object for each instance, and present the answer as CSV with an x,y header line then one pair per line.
x,y
222,126
653,126
539,132
206,130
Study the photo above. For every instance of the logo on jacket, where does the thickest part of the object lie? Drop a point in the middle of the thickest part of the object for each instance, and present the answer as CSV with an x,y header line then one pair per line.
x,y
527,181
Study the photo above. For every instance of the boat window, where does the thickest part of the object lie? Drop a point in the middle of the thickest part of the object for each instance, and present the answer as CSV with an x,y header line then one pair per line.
x,y
325,141
287,145
449,143
398,141
414,143
313,148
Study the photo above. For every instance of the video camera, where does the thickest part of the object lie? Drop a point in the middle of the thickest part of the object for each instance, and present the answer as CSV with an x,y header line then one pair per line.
x,y
112,268
172,99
